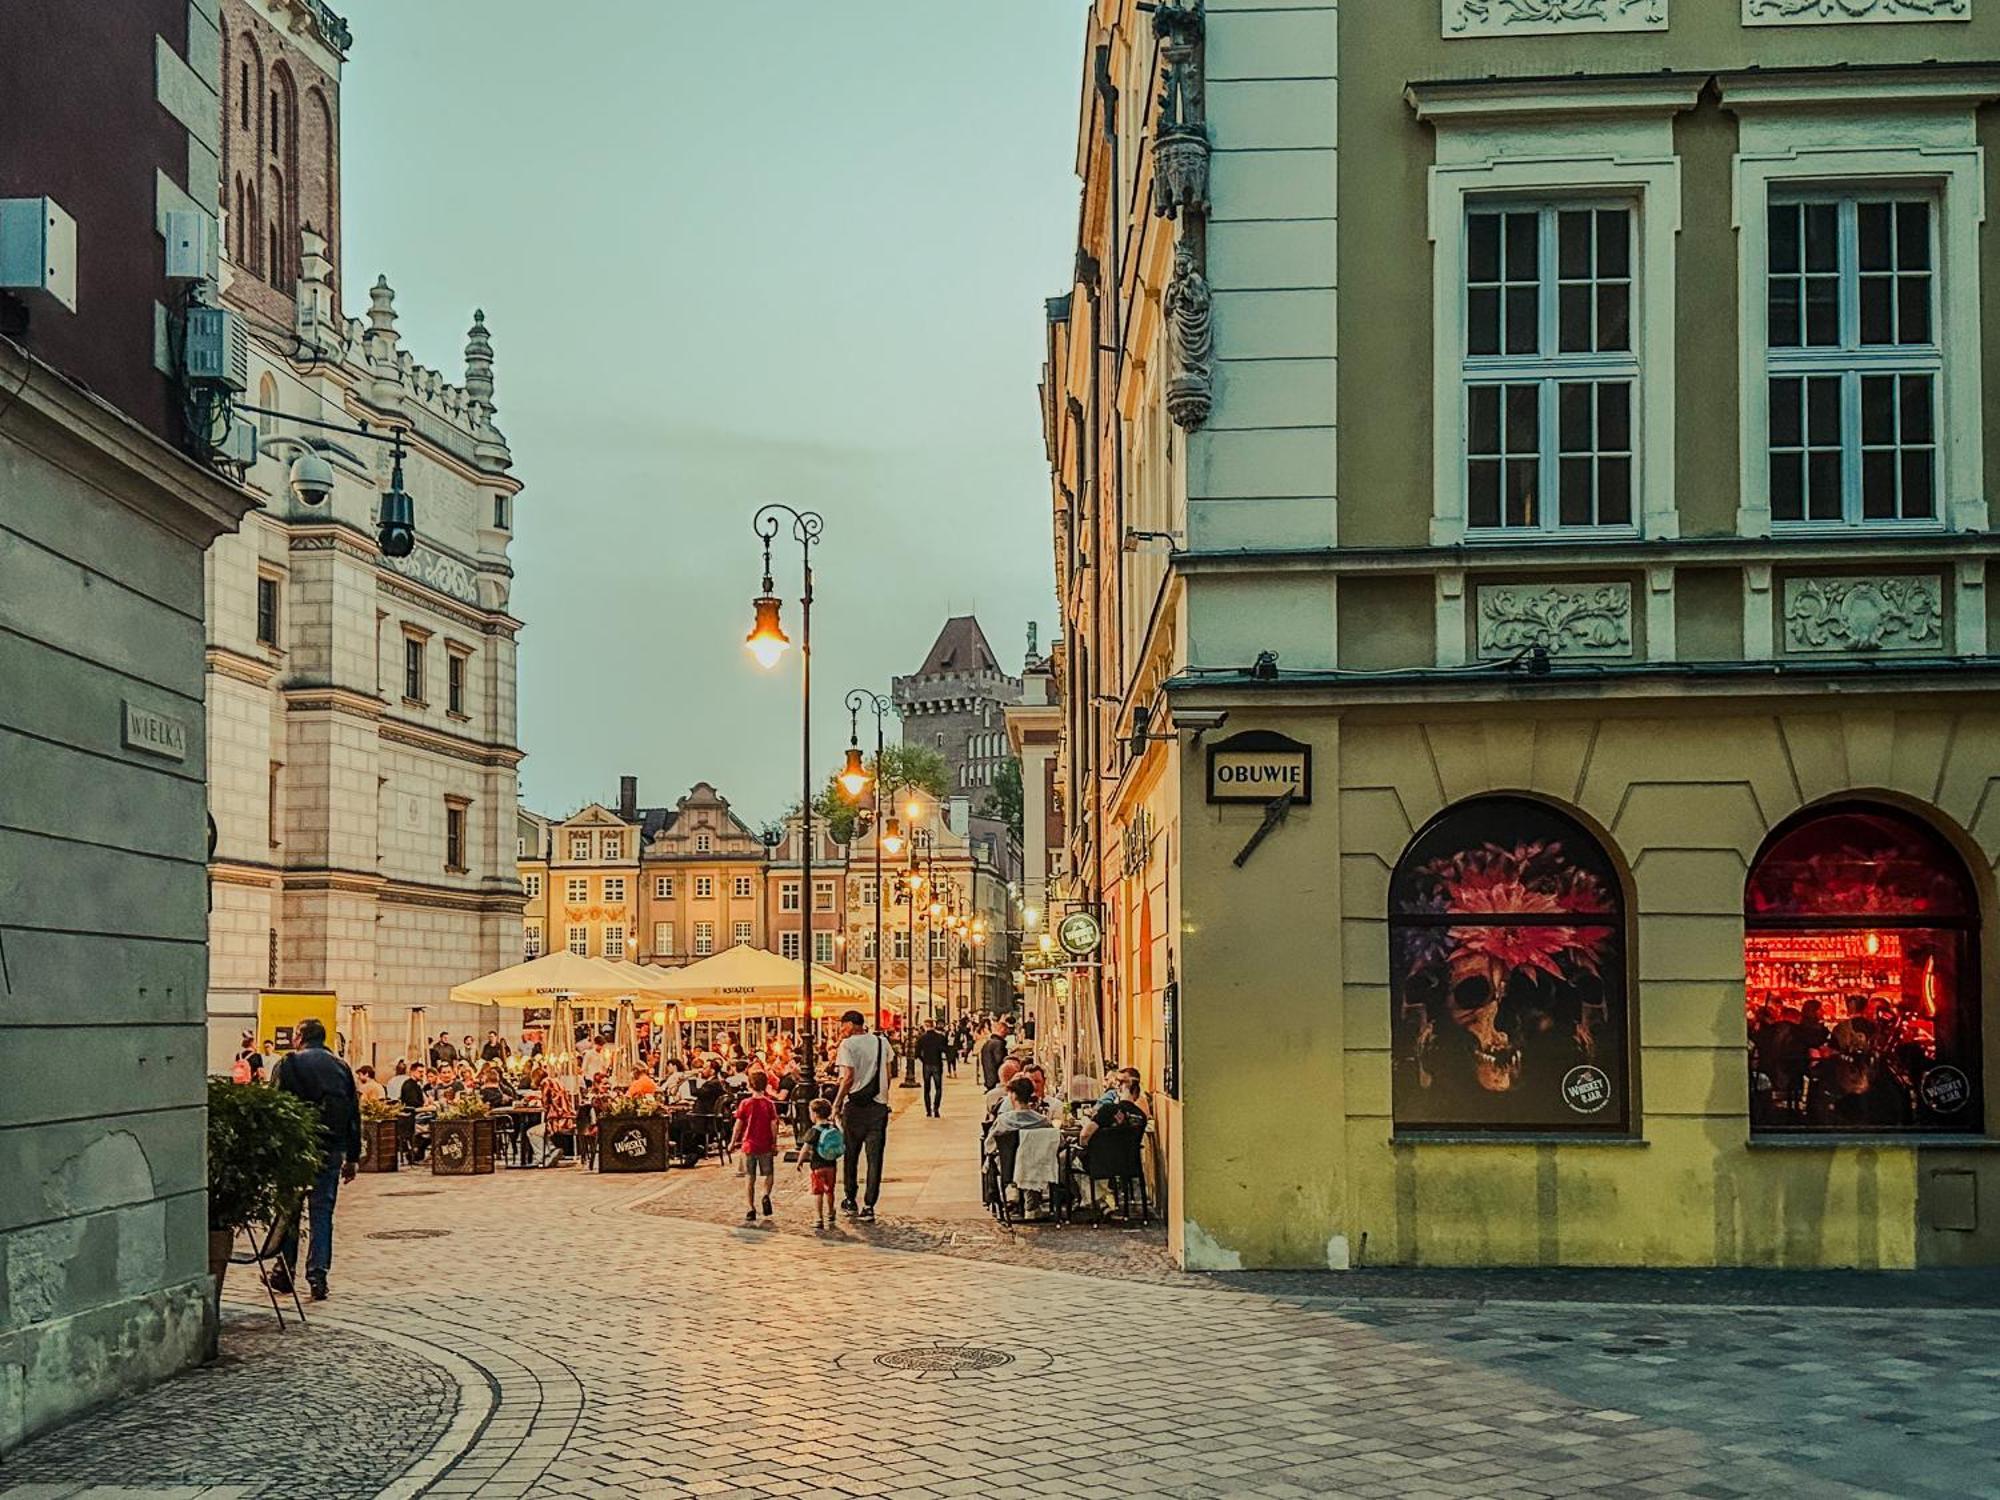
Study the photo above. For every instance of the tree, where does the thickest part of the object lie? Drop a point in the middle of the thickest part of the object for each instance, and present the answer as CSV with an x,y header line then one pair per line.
x,y
904,766
1003,801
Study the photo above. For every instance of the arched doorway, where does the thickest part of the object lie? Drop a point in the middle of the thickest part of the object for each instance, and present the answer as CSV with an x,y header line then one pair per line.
x,y
1861,976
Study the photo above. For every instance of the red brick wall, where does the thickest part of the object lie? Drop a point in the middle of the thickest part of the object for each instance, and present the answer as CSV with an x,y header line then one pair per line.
x,y
280,158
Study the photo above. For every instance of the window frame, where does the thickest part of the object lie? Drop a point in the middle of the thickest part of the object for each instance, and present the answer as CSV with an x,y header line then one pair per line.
x,y
823,946
704,939
740,933
663,887
576,939
270,622
788,895
531,940
457,835
576,890
790,944
663,940
742,888
614,940
704,888
416,667
614,889
531,886
455,660
579,847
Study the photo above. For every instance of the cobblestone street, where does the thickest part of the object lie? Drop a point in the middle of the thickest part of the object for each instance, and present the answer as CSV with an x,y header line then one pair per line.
x,y
538,1334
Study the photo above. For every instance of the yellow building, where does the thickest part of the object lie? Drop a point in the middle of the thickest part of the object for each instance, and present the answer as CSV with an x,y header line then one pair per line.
x,y
1528,718
704,886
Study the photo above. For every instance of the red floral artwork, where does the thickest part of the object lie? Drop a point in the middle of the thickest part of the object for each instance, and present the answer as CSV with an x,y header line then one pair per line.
x,y
1525,880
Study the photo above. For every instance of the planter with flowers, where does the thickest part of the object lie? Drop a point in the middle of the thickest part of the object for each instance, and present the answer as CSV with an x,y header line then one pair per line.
x,y
462,1138
264,1150
632,1135
381,1140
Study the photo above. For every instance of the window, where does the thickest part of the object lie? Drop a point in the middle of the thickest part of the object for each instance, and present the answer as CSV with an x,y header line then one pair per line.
x,y
742,887
577,890
579,941
614,888
243,94
454,683
531,887
899,945
454,835
940,945
273,813
703,843
740,933
1854,360
1861,970
503,519
614,845
788,895
788,945
704,939
822,947
614,941
1550,370
531,940
663,887
704,888
413,669
267,610
868,893
663,940
579,846
822,895
1507,975
868,946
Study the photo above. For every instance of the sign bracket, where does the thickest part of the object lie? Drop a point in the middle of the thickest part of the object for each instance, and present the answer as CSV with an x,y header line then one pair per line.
x,y
1275,812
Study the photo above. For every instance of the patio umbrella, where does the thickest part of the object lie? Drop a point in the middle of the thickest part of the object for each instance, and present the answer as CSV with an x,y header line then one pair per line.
x,y
624,1046
360,1037
419,1042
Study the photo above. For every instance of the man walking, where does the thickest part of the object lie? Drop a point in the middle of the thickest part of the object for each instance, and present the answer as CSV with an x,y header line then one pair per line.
x,y
931,1049
315,1075
992,1053
864,1062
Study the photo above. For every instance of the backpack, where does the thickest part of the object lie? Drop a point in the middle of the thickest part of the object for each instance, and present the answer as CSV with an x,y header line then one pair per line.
x,y
831,1145
241,1072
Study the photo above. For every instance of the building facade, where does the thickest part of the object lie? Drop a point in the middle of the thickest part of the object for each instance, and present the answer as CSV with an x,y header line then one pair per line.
x,y
112,113
361,707
1572,771
955,704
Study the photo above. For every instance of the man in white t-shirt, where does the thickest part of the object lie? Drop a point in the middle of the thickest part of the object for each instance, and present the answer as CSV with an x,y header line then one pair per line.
x,y
864,1063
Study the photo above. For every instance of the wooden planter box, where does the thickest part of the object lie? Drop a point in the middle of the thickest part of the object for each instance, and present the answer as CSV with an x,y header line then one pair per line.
x,y
638,1144
461,1148
381,1145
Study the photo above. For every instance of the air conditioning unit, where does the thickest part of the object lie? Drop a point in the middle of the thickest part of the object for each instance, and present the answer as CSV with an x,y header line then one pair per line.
x,y
218,348
38,250
192,251
240,447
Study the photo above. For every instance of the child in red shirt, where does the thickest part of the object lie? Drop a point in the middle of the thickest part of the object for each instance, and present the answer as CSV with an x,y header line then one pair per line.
x,y
756,1137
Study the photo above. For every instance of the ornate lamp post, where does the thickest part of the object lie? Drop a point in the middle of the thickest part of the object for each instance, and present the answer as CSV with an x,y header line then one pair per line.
x,y
888,836
767,642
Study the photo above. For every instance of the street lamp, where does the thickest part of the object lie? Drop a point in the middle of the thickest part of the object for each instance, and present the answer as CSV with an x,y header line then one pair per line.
x,y
767,642
854,780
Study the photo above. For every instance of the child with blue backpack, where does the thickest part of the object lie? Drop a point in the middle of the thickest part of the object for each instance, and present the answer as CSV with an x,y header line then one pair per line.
x,y
822,1150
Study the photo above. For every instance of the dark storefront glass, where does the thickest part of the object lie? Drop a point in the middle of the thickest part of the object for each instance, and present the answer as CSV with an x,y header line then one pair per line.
x,y
1508,975
1861,977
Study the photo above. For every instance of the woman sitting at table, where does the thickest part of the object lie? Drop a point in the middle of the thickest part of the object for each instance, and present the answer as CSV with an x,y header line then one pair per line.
x,y
558,1115
494,1088
642,1085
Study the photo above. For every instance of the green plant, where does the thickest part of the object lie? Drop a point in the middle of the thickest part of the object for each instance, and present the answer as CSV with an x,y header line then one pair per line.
x,y
629,1107
264,1149
466,1106
374,1111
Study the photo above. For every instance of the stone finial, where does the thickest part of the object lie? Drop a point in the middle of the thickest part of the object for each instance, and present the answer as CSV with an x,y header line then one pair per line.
x,y
388,384
479,364
382,309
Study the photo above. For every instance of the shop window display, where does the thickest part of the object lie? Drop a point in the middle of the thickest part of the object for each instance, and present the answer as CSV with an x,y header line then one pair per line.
x,y
1861,977
1508,975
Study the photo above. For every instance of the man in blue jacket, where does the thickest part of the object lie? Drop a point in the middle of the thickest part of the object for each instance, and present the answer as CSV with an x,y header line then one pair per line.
x,y
315,1075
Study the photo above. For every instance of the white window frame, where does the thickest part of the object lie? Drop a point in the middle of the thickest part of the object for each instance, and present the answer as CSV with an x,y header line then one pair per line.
x,y
614,940
739,933
823,894
704,939
576,890
663,940
788,945
663,887
703,844
868,946
822,947
899,946
531,886
742,888
1864,137
577,940
579,846
704,888
614,889
531,940
1607,144
613,845
788,895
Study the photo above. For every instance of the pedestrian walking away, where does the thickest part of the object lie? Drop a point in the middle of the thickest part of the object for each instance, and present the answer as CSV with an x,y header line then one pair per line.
x,y
822,1147
315,1075
864,1063
992,1053
932,1049
756,1138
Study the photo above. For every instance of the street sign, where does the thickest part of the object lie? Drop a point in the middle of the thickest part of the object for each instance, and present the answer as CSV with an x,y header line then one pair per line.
x,y
1079,933
1258,766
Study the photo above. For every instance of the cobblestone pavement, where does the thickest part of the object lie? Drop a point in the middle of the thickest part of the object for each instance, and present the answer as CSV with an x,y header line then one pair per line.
x,y
602,1351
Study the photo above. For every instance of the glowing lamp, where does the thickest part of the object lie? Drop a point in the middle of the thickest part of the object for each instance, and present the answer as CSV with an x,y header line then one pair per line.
x,y
913,809
1046,943
659,1018
916,881
1031,916
690,1011
767,639
854,776
937,910
892,836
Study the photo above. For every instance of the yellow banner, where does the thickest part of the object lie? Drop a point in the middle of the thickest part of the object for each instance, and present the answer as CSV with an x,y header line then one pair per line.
x,y
280,1014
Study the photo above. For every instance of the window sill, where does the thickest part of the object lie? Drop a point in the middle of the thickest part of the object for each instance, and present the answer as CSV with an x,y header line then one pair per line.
x,y
1516,1138
457,870
461,718
1834,1140
416,703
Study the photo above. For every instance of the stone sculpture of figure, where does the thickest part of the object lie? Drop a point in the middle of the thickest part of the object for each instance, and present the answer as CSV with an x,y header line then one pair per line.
x,y
1186,305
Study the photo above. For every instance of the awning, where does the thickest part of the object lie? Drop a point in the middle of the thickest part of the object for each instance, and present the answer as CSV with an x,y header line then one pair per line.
x,y
538,981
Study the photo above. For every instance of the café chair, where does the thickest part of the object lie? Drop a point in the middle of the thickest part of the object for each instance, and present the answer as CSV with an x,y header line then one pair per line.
x,y
1116,1157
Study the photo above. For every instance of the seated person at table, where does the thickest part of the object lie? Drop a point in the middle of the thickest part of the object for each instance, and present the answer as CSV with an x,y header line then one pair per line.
x,y
709,1091
1041,1080
367,1085
494,1089
642,1085
410,1091
1125,1112
1019,1112
996,1097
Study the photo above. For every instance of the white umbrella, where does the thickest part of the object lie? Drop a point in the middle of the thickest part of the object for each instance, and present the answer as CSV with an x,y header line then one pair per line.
x,y
534,983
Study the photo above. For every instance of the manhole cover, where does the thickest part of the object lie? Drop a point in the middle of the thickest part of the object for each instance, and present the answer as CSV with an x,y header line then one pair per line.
x,y
955,1359
409,1234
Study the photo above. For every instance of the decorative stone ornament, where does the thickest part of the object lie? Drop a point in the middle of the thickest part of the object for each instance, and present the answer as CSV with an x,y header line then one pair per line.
x,y
1180,132
1827,615
1578,621
1466,18
1837,12
1191,337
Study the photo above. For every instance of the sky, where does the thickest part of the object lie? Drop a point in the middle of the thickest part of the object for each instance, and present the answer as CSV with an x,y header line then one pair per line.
x,y
730,251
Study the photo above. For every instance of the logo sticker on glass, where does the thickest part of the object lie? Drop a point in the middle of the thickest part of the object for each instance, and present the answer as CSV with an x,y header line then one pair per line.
x,y
1946,1089
1586,1089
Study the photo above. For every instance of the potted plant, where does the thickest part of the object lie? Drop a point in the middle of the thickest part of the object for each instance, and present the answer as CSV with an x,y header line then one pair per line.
x,y
462,1138
631,1134
264,1149
381,1138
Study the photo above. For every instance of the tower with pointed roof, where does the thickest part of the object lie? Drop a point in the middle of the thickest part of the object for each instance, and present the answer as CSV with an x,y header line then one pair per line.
x,y
955,704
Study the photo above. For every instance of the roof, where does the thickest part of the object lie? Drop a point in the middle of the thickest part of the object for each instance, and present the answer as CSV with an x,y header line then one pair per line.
x,y
960,647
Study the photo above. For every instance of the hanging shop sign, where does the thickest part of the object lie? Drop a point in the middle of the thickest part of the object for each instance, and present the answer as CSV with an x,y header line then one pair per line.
x,y
1259,766
1079,933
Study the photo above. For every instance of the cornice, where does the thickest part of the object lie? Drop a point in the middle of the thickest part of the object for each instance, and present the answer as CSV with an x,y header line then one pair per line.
x,y
350,882
449,898
1938,85
326,698
1553,98
410,591
224,662
237,872
437,742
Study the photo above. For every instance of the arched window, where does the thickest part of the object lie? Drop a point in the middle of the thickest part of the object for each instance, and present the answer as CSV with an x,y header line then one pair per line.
x,y
243,95
1861,976
1507,971
267,396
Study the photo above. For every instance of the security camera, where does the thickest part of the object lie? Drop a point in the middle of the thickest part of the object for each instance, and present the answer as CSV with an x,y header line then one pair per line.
x,y
312,478
1200,720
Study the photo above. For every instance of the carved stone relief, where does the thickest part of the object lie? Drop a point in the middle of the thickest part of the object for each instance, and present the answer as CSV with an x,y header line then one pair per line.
x,y
1826,615
1180,131
1834,12
1580,621
1532,17
445,574
1191,335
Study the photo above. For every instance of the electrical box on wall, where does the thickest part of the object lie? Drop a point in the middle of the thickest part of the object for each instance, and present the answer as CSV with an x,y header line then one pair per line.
x,y
192,251
218,348
38,251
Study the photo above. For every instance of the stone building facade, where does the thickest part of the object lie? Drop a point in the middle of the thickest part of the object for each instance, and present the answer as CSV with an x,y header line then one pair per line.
x,y
361,708
1574,769
104,520
955,704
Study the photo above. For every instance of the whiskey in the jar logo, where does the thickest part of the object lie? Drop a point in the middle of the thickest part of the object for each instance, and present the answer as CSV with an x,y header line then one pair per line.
x,y
1946,1089
1586,1089
451,1148
631,1144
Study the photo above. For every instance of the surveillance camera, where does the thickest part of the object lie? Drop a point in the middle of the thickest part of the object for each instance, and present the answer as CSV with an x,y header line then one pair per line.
x,y
312,478
1200,720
